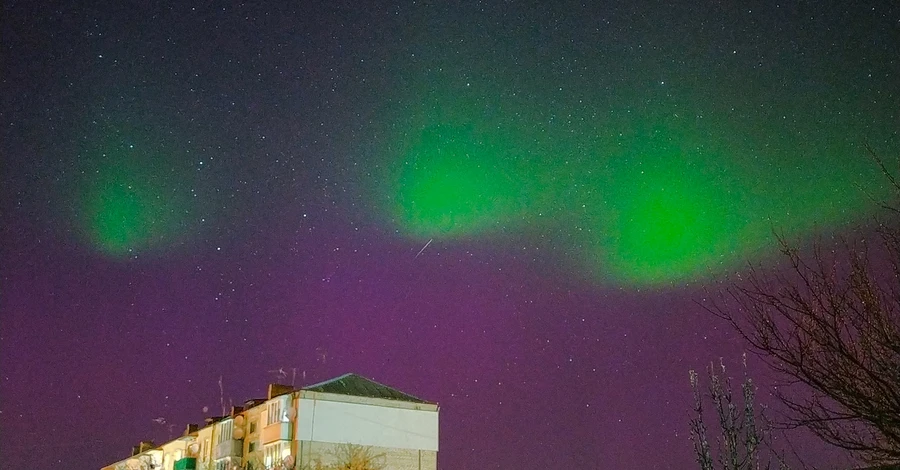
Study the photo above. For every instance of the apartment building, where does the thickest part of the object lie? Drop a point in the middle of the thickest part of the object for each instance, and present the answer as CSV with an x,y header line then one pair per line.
x,y
346,422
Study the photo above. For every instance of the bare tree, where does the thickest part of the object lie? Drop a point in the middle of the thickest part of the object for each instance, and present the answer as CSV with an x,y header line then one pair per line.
x,y
351,457
357,457
830,323
742,437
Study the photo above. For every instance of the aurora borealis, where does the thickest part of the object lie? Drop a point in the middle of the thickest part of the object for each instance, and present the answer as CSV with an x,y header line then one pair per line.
x,y
130,199
508,208
663,199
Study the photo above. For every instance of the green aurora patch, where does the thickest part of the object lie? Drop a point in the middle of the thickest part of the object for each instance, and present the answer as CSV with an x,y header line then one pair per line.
x,y
456,181
663,201
131,196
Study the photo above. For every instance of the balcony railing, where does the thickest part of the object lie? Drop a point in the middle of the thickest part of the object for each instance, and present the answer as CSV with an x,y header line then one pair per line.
x,y
276,432
228,448
187,463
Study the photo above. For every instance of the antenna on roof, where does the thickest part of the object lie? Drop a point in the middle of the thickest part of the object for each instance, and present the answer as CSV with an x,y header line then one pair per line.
x,y
222,395
279,373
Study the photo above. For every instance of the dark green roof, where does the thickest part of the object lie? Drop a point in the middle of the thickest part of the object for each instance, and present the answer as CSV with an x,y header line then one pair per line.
x,y
359,386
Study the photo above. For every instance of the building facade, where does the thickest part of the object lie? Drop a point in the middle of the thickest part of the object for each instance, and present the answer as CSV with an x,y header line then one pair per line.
x,y
346,422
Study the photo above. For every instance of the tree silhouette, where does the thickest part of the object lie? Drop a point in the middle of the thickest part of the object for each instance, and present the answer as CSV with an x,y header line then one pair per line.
x,y
830,322
741,432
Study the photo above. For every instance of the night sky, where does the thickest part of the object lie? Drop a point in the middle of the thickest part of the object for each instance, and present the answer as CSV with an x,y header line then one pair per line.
x,y
509,208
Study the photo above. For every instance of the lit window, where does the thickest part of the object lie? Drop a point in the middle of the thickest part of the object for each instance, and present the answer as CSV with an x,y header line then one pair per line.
x,y
274,414
276,453
225,429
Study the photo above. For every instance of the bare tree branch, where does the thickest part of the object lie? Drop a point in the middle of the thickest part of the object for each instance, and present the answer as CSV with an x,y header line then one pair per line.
x,y
743,439
830,322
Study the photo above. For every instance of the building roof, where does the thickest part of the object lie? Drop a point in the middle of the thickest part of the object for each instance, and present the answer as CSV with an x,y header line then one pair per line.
x,y
359,386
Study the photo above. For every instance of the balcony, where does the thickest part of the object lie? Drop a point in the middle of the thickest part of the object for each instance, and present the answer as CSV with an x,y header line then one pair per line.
x,y
228,448
187,463
276,432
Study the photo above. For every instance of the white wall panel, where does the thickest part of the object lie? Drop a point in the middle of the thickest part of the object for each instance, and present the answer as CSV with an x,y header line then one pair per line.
x,y
370,425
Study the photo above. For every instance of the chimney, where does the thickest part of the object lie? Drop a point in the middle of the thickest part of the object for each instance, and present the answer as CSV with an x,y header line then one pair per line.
x,y
190,429
278,390
142,447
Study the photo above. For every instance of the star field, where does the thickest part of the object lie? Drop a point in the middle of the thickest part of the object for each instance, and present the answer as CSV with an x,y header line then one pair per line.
x,y
508,208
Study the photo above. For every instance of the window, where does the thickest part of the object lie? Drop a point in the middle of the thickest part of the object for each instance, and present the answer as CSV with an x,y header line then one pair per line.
x,y
274,412
224,431
227,464
251,447
252,427
276,452
278,411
